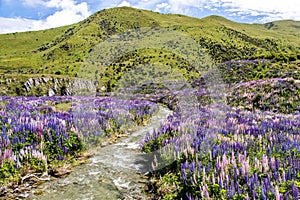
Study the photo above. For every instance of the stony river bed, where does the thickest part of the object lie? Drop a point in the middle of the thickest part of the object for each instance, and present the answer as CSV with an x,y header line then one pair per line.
x,y
113,172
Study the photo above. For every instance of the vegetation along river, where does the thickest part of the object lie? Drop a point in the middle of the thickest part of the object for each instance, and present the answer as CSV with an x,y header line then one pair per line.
x,y
112,173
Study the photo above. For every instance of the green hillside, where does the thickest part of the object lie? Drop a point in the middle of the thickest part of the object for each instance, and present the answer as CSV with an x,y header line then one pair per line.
x,y
60,52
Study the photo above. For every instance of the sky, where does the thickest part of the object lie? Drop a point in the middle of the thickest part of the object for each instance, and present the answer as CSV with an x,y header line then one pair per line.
x,y
29,15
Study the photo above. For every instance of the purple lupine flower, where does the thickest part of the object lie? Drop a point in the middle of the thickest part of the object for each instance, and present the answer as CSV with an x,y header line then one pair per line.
x,y
287,195
254,194
188,196
288,175
205,192
237,186
183,172
192,167
235,174
232,189
263,193
295,191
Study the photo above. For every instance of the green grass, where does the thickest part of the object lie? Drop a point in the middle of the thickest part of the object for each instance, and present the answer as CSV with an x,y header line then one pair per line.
x,y
62,51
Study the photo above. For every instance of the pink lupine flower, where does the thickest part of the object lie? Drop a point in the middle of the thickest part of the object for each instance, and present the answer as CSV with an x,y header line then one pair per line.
x,y
154,163
273,163
265,163
205,193
277,194
233,161
7,154
245,166
283,176
74,129
204,175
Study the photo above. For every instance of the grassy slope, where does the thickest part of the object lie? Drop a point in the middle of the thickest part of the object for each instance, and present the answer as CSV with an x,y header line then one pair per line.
x,y
61,51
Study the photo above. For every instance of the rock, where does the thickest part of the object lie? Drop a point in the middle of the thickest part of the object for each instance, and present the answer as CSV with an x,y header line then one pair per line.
x,y
45,79
28,84
36,82
51,92
60,86
146,188
38,192
103,144
143,181
25,195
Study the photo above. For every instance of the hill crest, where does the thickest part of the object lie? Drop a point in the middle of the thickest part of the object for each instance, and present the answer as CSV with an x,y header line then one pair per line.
x,y
61,51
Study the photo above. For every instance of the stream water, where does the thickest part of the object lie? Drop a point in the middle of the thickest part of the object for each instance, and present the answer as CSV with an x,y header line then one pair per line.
x,y
114,171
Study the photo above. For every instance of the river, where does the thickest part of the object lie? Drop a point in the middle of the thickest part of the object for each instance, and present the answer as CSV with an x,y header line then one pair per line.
x,y
113,172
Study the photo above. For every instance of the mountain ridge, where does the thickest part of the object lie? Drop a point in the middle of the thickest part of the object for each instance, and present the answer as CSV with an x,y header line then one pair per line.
x,y
62,51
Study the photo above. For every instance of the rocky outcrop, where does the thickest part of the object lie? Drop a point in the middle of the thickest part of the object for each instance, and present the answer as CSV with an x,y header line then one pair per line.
x,y
45,86
52,86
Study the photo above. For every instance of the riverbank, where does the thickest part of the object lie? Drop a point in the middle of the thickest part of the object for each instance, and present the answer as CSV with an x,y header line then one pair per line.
x,y
40,124
111,173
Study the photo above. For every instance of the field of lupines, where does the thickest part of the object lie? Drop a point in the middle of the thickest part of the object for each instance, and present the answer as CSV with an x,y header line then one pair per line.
x,y
280,95
254,155
248,150
37,132
263,84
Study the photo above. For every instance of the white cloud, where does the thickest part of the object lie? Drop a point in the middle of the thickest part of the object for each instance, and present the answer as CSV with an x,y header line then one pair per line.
x,y
263,10
32,3
68,15
9,25
124,3
71,11
162,5
183,6
68,12
271,9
